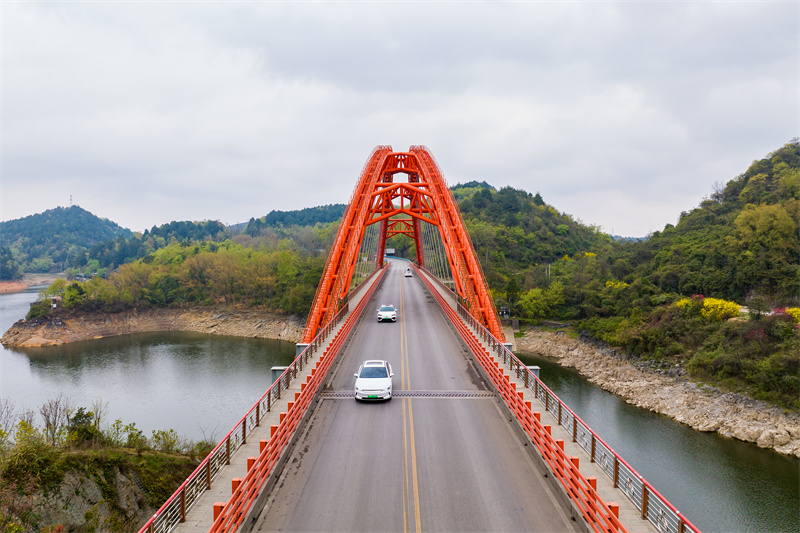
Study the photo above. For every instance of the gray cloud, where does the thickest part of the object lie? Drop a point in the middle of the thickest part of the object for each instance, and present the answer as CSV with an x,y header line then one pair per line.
x,y
622,114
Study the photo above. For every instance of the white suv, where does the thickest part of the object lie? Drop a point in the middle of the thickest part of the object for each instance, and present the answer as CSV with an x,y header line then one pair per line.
x,y
387,312
374,380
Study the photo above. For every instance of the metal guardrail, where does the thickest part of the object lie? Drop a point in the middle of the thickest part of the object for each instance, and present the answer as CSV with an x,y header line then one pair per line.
x,y
601,517
653,506
174,510
233,514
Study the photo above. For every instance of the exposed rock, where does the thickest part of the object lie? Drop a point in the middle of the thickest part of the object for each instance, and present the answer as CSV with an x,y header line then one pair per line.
x,y
79,505
238,322
666,390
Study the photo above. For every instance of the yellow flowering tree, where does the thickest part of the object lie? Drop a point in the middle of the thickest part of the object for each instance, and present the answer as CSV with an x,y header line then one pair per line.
x,y
711,308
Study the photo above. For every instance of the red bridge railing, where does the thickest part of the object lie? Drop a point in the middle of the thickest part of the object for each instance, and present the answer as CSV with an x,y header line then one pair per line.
x,y
653,506
174,510
234,513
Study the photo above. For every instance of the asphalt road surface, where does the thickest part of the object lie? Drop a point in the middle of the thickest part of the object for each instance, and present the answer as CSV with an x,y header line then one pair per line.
x,y
422,461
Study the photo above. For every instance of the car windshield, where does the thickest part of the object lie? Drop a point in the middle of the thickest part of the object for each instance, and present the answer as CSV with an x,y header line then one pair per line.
x,y
374,372
387,308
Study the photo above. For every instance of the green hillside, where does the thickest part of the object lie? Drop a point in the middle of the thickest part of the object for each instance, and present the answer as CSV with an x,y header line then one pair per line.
x,y
741,243
53,240
514,232
672,300
310,216
112,253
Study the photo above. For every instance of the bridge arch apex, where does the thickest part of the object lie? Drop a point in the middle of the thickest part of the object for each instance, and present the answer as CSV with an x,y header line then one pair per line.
x,y
422,208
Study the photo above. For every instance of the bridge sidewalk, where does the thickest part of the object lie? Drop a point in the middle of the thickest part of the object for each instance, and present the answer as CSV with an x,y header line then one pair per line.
x,y
629,515
200,516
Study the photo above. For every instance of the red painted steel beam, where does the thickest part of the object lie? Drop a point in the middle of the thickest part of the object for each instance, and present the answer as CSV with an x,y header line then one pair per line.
x,y
471,284
377,198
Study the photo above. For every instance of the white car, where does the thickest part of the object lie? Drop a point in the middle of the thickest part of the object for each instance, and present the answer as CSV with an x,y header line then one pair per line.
x,y
374,380
408,273
387,312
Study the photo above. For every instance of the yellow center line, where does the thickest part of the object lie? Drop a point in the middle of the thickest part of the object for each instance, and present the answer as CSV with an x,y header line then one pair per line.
x,y
408,436
417,520
405,426
405,472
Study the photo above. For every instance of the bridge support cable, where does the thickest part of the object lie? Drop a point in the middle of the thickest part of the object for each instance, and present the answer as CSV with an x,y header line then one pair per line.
x,y
367,256
436,261
382,206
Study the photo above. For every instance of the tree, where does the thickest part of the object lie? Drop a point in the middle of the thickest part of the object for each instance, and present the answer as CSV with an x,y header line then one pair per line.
x,y
9,268
512,291
55,415
74,295
534,304
767,246
538,303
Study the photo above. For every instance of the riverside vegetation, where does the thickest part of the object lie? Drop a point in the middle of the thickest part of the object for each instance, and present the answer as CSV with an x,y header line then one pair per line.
x,y
670,301
673,298
75,472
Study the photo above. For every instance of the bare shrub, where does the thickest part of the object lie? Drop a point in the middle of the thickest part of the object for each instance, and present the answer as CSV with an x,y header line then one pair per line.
x,y
99,412
8,419
28,416
55,416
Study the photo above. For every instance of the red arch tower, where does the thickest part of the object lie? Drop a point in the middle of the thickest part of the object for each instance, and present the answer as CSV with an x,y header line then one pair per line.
x,y
400,208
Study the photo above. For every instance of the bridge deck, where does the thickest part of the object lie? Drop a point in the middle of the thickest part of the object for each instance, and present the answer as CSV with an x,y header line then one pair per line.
x,y
441,456
200,516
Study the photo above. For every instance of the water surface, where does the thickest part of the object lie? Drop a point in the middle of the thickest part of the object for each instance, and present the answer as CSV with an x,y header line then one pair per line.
x,y
718,483
200,385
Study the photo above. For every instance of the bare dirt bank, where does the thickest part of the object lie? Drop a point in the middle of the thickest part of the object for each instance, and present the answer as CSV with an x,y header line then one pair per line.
x,y
30,280
238,323
702,408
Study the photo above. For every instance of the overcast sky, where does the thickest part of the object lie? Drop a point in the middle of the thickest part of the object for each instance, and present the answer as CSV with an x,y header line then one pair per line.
x,y
620,114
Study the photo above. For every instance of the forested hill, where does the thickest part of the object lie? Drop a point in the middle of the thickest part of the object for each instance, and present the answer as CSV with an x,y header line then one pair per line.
x,y
674,300
513,231
740,243
309,216
77,242
53,239
116,252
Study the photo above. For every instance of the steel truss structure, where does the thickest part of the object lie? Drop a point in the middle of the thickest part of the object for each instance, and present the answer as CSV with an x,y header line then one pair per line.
x,y
422,208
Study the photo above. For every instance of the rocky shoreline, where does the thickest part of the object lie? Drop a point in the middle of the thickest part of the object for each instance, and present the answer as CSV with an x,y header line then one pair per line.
x,y
234,322
668,392
665,391
30,280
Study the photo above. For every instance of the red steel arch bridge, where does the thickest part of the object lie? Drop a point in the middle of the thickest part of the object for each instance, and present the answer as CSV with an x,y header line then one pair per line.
x,y
421,208
474,440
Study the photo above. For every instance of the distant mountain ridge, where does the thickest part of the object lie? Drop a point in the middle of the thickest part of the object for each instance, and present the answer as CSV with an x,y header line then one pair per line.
x,y
56,238
309,216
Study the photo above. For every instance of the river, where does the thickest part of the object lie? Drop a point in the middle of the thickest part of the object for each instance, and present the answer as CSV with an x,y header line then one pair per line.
x,y
201,385
718,483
